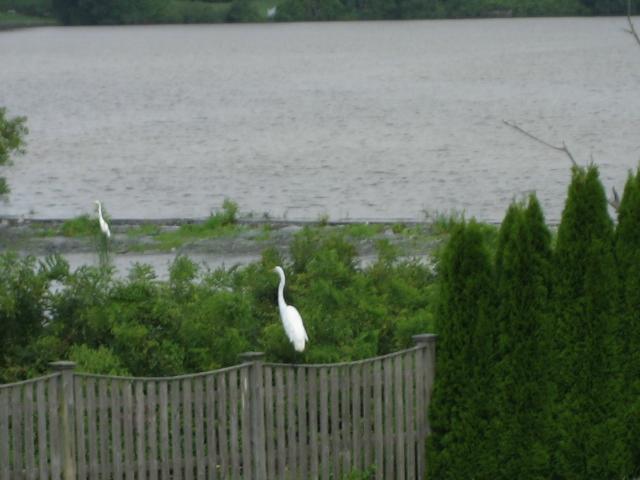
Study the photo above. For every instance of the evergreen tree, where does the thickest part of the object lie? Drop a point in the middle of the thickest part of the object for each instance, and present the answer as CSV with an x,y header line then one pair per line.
x,y
590,436
460,405
521,423
628,258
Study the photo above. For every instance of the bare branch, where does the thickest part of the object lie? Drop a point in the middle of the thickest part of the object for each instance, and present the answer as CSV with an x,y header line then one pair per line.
x,y
615,201
632,29
563,148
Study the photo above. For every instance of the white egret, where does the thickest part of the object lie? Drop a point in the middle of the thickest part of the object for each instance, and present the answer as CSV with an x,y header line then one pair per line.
x,y
104,226
291,319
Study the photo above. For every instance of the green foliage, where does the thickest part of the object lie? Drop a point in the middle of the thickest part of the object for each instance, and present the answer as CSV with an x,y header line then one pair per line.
x,y
200,320
590,441
183,11
460,405
108,12
627,249
12,133
243,11
521,424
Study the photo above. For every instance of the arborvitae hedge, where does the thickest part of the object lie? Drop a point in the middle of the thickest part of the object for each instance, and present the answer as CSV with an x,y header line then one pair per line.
x,y
589,434
627,251
460,406
522,420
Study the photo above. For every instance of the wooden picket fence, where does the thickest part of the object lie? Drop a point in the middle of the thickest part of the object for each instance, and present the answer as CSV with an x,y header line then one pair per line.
x,y
256,420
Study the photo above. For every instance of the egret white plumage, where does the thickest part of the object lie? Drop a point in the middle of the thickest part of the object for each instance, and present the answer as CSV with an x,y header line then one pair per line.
x,y
291,319
104,226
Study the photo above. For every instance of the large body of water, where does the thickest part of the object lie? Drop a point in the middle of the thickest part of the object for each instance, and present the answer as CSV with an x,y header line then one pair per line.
x,y
375,120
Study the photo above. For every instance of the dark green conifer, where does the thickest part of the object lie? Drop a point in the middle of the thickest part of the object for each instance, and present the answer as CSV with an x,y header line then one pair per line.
x,y
589,434
521,422
628,259
460,407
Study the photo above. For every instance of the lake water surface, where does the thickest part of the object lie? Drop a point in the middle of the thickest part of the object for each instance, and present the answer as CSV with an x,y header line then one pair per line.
x,y
375,120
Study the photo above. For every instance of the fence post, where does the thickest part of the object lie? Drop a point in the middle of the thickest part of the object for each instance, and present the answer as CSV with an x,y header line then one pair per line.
x,y
67,416
256,403
428,342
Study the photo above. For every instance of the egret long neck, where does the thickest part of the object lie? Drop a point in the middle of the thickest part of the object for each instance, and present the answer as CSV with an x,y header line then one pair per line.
x,y
281,303
99,210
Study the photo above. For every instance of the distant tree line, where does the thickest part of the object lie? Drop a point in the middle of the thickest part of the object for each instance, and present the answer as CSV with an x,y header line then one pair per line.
x,y
92,12
539,346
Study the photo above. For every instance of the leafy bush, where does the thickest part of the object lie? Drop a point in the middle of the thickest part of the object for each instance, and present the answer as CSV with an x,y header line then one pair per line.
x,y
12,133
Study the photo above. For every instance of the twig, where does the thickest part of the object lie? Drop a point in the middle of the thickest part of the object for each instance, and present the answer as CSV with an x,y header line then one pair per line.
x,y
563,148
615,201
632,28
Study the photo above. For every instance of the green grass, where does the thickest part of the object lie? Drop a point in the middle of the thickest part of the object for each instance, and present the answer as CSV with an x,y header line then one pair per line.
x,y
81,226
144,230
362,230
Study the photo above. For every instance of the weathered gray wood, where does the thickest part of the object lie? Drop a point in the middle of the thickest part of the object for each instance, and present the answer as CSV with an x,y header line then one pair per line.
x,y
303,451
430,372
324,424
312,392
92,432
17,437
29,437
4,433
270,430
420,410
80,427
233,424
280,429
187,426
105,445
67,421
345,418
198,415
139,436
367,414
245,421
54,429
43,447
356,419
176,450
388,417
292,451
334,399
152,430
116,428
212,453
222,426
378,440
399,416
409,402
164,439
128,423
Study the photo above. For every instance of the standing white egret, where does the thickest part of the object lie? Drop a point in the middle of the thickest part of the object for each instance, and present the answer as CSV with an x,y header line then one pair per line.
x,y
291,319
104,226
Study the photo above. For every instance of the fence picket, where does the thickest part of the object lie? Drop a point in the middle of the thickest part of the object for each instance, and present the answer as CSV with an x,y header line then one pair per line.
x,y
356,419
4,434
245,419
303,450
128,422
17,436
165,445
152,431
312,381
212,454
81,458
176,451
388,418
198,414
345,419
92,432
105,445
291,424
54,428
324,423
187,428
378,446
233,425
139,434
334,399
280,431
116,427
409,409
367,414
270,431
399,417
43,447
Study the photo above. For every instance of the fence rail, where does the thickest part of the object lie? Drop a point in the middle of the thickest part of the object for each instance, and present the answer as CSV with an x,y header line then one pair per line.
x,y
256,420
